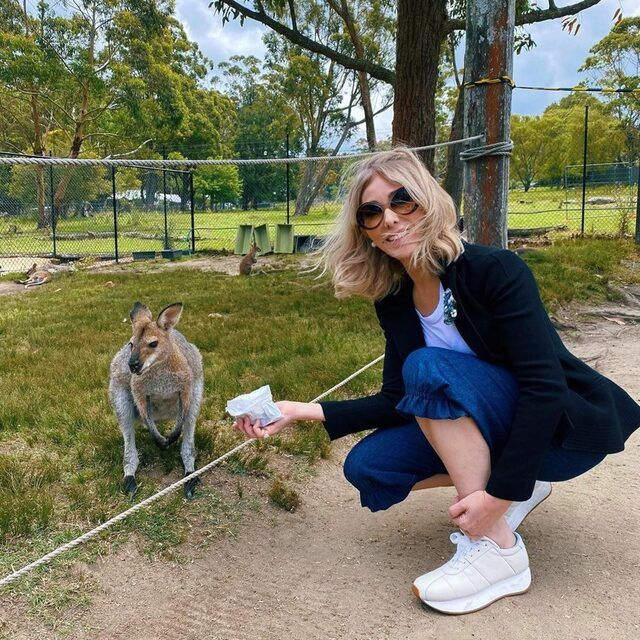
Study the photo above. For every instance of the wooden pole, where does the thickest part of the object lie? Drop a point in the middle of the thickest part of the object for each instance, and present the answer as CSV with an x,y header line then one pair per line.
x,y
487,110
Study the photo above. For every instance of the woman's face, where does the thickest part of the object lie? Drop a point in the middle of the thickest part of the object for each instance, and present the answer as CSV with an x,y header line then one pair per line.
x,y
395,235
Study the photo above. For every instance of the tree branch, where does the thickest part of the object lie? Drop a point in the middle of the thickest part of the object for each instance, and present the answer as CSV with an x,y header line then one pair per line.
x,y
530,17
374,70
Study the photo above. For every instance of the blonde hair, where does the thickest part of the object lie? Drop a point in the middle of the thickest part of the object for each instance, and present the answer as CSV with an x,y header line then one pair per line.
x,y
358,268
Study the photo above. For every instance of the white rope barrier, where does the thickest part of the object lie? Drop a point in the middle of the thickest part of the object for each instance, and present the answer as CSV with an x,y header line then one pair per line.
x,y
151,499
496,149
146,164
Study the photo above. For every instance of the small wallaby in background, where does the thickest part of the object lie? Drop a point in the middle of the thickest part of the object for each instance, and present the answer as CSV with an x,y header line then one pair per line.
x,y
246,264
35,277
157,376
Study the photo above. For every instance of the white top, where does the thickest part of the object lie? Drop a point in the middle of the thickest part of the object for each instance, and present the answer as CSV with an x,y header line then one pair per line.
x,y
438,334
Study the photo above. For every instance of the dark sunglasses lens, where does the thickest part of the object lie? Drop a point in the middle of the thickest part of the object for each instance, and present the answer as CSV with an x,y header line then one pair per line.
x,y
402,202
369,215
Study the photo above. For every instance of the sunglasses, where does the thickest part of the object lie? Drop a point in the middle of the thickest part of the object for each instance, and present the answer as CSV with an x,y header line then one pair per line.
x,y
369,215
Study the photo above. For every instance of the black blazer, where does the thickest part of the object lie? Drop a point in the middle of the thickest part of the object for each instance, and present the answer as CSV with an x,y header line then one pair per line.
x,y
501,317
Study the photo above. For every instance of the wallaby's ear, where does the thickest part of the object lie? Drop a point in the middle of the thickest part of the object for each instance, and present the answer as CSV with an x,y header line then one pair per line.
x,y
169,316
139,314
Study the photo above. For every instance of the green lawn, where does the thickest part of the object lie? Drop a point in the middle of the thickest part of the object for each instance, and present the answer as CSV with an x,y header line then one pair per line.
x,y
61,463
540,208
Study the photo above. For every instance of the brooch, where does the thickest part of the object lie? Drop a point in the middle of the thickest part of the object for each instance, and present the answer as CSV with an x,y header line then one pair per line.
x,y
450,311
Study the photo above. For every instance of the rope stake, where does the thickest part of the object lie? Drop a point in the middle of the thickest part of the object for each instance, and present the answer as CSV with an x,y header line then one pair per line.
x,y
151,499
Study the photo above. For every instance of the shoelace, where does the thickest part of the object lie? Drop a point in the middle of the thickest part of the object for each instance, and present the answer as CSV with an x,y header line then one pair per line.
x,y
464,546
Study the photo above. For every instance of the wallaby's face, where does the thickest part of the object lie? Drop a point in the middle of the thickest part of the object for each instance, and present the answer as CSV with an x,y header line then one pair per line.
x,y
150,340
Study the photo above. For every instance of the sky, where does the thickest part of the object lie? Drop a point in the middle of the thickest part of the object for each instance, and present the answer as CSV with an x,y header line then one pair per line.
x,y
554,62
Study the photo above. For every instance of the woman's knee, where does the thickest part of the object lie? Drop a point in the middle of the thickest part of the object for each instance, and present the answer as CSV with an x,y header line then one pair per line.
x,y
427,366
357,468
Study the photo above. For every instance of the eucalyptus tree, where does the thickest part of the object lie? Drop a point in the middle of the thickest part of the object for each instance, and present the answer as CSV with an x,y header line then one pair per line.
x,y
419,30
264,119
110,77
614,63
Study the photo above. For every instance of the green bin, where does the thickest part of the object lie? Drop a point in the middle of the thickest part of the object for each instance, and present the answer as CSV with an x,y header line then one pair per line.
x,y
284,238
261,235
243,239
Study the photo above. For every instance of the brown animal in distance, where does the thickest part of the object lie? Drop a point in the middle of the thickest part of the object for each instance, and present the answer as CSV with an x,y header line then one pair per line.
x,y
35,277
246,264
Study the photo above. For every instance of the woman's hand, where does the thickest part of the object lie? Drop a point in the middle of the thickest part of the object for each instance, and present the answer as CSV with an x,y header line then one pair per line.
x,y
291,412
476,514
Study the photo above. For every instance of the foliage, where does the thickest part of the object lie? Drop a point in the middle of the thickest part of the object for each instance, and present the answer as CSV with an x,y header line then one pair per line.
x,y
544,145
106,75
220,183
614,63
264,118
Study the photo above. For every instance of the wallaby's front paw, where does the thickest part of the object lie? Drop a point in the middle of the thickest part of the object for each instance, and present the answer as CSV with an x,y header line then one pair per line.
x,y
129,485
171,438
190,487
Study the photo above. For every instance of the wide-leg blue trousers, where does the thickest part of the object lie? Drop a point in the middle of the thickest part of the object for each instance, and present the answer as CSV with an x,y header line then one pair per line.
x,y
441,384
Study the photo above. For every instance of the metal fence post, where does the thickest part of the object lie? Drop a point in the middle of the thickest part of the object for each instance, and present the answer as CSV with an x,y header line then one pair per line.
x,y
115,208
638,205
164,189
584,165
53,209
288,177
193,208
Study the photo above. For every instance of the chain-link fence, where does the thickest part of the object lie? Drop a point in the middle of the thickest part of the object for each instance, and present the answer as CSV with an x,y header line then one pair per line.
x,y
100,211
112,212
596,199
107,211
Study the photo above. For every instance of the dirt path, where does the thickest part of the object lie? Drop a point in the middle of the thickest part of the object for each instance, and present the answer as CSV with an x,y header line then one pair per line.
x,y
334,570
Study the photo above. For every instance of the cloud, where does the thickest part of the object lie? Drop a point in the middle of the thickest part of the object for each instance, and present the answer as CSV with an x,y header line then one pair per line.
x,y
204,26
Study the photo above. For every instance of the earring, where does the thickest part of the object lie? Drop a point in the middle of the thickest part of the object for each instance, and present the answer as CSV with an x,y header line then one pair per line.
x,y
373,244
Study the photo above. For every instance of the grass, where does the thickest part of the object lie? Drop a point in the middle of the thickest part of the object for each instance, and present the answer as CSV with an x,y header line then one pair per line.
x,y
138,230
61,462
60,447
583,269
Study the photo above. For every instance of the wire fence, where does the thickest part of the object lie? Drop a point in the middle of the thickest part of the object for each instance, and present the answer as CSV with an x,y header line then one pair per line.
x,y
596,199
111,211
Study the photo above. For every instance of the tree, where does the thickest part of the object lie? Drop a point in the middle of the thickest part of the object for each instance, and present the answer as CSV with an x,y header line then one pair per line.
x,y
614,63
220,183
106,76
420,30
562,125
314,88
530,144
264,118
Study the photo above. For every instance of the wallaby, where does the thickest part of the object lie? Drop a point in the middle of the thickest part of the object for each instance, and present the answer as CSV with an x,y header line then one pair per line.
x,y
35,277
157,376
246,264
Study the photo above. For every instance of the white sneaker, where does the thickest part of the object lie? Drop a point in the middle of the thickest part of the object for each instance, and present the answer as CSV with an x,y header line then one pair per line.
x,y
518,511
479,573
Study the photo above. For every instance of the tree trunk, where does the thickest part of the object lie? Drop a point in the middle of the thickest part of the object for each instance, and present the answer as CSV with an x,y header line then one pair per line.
x,y
365,100
489,54
150,188
453,179
184,191
420,33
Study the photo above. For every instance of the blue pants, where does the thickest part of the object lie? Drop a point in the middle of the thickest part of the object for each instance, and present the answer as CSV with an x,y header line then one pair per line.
x,y
441,384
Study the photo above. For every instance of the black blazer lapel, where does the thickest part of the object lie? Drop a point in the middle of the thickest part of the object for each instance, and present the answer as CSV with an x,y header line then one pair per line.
x,y
401,321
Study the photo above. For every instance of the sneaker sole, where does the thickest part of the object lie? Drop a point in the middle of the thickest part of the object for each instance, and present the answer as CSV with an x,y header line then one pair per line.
x,y
532,509
512,586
